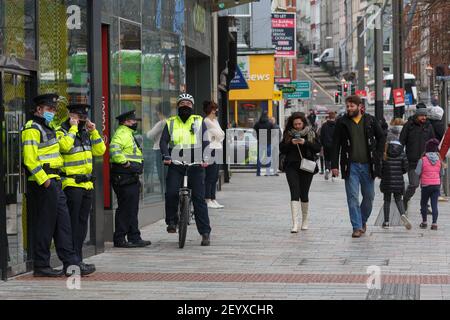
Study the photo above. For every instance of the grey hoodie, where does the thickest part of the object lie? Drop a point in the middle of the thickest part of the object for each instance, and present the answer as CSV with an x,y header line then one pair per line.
x,y
434,158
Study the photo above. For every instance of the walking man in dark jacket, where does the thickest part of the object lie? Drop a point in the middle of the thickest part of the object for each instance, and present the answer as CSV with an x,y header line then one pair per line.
x,y
326,139
415,133
263,130
359,141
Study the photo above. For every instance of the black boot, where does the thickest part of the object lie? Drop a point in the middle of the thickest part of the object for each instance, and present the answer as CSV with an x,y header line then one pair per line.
x,y
47,272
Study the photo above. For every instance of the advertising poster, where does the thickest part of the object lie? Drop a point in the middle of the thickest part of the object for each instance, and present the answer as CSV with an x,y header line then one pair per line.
x,y
284,34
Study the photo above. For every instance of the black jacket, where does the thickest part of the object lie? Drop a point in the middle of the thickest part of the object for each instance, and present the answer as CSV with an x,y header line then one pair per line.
x,y
309,150
264,124
393,169
342,145
439,128
413,137
326,134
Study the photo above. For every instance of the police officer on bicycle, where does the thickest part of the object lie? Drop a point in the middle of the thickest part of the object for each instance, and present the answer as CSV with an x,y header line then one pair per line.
x,y
77,149
182,140
126,167
46,201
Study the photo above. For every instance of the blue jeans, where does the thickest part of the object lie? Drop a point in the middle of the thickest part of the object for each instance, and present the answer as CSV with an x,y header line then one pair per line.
x,y
359,176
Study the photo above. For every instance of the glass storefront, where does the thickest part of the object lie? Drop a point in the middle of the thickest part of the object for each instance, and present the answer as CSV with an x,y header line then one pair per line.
x,y
63,50
17,29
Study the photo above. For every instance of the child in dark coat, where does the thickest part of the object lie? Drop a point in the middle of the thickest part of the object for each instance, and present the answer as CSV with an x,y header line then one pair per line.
x,y
394,166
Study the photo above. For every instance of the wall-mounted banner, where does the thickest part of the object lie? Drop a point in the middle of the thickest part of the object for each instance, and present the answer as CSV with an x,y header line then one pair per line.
x,y
284,34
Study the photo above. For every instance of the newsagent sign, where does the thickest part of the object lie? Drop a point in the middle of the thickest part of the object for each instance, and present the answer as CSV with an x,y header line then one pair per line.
x,y
284,34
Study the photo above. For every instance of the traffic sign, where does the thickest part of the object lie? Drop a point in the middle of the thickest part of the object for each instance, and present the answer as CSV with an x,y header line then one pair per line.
x,y
302,90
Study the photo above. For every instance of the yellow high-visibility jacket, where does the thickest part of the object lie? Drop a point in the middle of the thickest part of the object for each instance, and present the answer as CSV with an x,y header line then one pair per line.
x,y
78,155
40,148
124,148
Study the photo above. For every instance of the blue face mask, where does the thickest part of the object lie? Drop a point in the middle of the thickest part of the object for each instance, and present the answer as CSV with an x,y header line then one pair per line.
x,y
48,116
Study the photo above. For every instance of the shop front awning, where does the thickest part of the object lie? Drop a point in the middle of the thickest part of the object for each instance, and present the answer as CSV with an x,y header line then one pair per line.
x,y
218,5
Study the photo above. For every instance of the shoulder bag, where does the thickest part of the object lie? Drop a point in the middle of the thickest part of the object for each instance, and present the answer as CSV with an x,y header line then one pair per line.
x,y
306,165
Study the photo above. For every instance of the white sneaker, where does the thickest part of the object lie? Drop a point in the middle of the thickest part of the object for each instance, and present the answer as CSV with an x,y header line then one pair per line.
x,y
211,204
218,205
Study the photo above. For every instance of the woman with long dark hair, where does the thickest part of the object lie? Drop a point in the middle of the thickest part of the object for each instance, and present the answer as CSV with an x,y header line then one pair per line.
x,y
299,142
215,136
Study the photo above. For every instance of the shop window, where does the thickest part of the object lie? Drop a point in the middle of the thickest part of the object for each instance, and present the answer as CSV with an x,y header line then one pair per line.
x,y
17,29
63,51
243,16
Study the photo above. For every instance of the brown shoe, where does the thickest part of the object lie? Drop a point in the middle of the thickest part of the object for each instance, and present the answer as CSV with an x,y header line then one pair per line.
x,y
356,234
364,228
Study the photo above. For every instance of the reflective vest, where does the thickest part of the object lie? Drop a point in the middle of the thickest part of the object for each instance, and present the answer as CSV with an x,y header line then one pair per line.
x,y
184,135
124,148
78,154
40,149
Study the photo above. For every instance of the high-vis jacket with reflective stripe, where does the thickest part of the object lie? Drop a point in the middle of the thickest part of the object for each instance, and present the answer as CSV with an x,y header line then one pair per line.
x,y
124,148
184,134
40,147
78,156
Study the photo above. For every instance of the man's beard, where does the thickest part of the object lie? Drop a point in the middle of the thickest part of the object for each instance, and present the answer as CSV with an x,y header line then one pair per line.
x,y
352,114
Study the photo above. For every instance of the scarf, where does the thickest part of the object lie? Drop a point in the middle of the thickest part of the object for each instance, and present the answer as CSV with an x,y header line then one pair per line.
x,y
307,131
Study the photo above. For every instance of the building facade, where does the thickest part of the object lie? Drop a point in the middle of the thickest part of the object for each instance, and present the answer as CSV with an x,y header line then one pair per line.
x,y
116,55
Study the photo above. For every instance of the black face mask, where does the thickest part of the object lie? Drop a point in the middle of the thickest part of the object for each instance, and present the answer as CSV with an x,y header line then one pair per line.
x,y
81,125
184,113
133,127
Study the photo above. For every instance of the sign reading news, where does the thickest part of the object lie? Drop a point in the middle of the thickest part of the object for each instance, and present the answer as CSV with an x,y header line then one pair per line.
x,y
284,34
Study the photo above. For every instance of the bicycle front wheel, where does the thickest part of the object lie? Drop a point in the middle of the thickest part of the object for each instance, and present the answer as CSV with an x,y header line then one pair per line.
x,y
183,221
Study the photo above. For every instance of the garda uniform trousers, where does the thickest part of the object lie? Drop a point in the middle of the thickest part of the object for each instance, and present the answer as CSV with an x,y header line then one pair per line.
x,y
50,219
79,202
126,219
196,182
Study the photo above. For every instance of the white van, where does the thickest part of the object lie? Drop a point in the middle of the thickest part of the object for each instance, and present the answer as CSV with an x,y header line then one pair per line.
x,y
326,56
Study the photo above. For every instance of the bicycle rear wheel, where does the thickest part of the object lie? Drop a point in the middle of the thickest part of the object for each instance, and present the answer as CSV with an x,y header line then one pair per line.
x,y
183,221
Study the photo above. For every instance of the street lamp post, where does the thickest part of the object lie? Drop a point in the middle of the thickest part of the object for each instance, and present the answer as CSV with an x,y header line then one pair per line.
x,y
429,70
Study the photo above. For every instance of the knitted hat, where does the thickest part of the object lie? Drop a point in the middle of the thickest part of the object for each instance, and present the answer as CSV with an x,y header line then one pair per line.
x,y
422,112
432,145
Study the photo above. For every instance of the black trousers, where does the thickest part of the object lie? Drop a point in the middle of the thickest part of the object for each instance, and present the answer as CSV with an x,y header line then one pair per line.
x,y
212,176
196,182
50,219
327,157
299,182
387,204
79,202
126,220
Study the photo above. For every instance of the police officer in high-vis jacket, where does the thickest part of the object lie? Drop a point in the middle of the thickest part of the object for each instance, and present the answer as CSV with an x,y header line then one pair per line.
x,y
46,201
126,167
77,149
182,138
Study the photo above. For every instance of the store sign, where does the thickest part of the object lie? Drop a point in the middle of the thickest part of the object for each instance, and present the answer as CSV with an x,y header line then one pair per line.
x,y
277,95
239,82
399,97
284,34
199,18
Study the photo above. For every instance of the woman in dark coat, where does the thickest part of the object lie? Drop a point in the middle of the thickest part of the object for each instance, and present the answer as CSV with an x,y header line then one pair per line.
x,y
299,137
394,166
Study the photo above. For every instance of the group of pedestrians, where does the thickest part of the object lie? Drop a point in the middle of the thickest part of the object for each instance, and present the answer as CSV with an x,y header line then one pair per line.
x,y
357,147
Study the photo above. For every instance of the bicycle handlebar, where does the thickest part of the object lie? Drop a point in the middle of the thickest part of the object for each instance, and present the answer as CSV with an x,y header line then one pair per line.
x,y
182,163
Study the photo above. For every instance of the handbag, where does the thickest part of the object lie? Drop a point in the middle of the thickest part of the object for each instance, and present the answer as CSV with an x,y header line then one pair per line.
x,y
306,164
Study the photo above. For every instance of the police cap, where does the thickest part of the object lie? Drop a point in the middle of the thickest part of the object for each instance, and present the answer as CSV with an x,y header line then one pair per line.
x,y
79,108
49,99
129,115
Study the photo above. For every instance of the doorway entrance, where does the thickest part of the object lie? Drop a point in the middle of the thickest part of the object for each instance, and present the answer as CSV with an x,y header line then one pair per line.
x,y
16,91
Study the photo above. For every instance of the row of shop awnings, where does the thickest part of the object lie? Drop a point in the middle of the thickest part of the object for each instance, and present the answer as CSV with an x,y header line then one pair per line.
x,y
218,5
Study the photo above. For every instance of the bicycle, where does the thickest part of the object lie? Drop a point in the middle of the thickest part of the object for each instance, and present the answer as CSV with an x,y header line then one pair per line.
x,y
185,214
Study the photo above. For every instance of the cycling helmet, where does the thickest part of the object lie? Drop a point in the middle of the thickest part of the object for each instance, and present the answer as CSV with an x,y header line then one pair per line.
x,y
185,97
